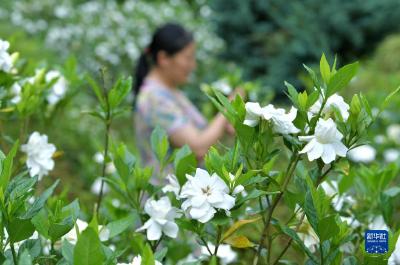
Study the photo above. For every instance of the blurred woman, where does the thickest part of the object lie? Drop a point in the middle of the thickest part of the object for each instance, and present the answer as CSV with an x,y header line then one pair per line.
x,y
164,66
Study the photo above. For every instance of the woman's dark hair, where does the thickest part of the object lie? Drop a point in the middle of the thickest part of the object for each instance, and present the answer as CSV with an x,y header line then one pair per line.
x,y
170,38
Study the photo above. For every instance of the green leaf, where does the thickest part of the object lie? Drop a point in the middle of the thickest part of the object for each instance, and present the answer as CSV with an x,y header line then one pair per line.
x,y
119,226
7,166
124,162
237,225
67,251
325,69
293,94
292,234
341,79
88,249
25,258
388,98
313,76
39,202
311,211
97,90
20,229
303,98
327,228
254,194
392,192
119,92
147,256
159,144
33,246
185,162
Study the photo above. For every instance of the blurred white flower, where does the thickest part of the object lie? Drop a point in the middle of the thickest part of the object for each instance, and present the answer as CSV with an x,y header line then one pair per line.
x,y
204,194
39,152
253,114
377,223
138,261
222,86
98,158
393,132
351,221
334,101
395,257
95,188
364,154
162,216
16,91
379,139
332,190
325,143
173,185
59,88
391,155
72,236
225,252
5,57
110,168
281,122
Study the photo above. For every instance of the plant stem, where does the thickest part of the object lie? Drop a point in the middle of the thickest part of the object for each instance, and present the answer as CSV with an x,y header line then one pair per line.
x,y
106,140
218,239
320,179
206,245
292,167
290,241
14,253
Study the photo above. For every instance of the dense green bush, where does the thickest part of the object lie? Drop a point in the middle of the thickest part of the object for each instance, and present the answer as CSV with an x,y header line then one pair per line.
x,y
270,39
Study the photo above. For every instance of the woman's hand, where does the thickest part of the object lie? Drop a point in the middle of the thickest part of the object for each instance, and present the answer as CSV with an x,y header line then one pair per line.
x,y
229,128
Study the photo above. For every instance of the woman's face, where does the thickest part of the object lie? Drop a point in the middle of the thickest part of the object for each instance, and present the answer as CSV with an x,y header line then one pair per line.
x,y
179,66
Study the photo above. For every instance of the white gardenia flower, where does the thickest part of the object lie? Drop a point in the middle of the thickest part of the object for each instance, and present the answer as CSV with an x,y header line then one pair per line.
x,y
162,216
59,88
173,185
138,261
98,157
393,132
334,101
39,153
282,122
16,91
204,194
5,57
325,143
253,114
395,257
363,153
225,252
72,236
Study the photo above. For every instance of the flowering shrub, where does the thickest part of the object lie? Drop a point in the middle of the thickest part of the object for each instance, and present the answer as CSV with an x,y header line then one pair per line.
x,y
239,205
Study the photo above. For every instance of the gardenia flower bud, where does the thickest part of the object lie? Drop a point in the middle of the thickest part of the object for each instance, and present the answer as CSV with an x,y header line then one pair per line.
x,y
325,143
40,154
204,194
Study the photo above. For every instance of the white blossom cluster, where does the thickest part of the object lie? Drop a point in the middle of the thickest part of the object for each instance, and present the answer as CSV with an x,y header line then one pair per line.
x,y
325,142
203,196
105,31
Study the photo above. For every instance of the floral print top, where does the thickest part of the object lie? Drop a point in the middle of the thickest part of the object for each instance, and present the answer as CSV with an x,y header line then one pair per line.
x,y
156,105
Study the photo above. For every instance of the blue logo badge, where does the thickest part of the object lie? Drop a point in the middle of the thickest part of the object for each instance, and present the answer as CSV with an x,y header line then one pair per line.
x,y
376,241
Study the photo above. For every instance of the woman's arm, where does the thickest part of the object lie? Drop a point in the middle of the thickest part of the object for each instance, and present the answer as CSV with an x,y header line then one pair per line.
x,y
200,140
